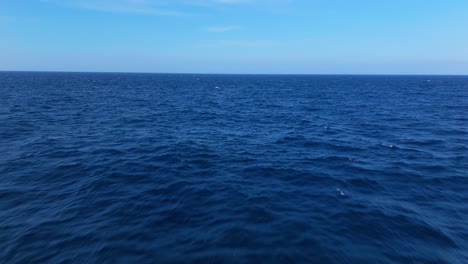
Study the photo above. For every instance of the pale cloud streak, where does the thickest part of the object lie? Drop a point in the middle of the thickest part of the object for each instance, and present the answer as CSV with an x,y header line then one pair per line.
x,y
251,43
221,29
118,6
232,1
149,7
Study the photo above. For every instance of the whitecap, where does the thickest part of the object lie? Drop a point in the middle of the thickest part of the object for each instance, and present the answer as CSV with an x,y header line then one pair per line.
x,y
341,193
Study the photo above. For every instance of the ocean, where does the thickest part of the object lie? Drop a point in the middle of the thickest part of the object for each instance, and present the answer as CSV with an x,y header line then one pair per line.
x,y
186,168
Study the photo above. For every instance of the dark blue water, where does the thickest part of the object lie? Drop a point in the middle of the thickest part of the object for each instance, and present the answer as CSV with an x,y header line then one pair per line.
x,y
148,168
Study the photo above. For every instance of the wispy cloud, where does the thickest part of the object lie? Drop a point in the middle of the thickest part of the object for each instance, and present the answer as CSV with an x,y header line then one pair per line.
x,y
118,6
149,7
212,2
221,29
232,1
250,43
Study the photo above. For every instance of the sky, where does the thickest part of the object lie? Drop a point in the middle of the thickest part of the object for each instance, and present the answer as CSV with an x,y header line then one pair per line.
x,y
236,36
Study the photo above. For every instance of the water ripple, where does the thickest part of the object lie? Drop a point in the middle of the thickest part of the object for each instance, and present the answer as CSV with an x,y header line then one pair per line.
x,y
124,168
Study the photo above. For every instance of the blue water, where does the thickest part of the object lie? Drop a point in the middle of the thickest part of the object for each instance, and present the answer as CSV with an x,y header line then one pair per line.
x,y
155,168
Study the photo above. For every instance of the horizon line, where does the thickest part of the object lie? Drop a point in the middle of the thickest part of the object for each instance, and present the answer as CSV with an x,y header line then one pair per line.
x,y
201,73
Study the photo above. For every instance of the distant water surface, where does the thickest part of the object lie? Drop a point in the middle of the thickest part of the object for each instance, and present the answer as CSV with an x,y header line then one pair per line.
x,y
155,168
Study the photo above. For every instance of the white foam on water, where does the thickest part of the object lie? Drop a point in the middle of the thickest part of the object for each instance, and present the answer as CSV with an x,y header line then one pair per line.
x,y
341,193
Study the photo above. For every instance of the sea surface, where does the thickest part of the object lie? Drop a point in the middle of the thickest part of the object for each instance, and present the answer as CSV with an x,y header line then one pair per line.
x,y
168,168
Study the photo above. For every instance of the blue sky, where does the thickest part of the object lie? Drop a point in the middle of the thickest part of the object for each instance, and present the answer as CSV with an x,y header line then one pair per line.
x,y
236,36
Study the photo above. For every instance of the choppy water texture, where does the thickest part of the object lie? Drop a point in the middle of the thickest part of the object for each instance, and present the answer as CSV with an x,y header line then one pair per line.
x,y
148,168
